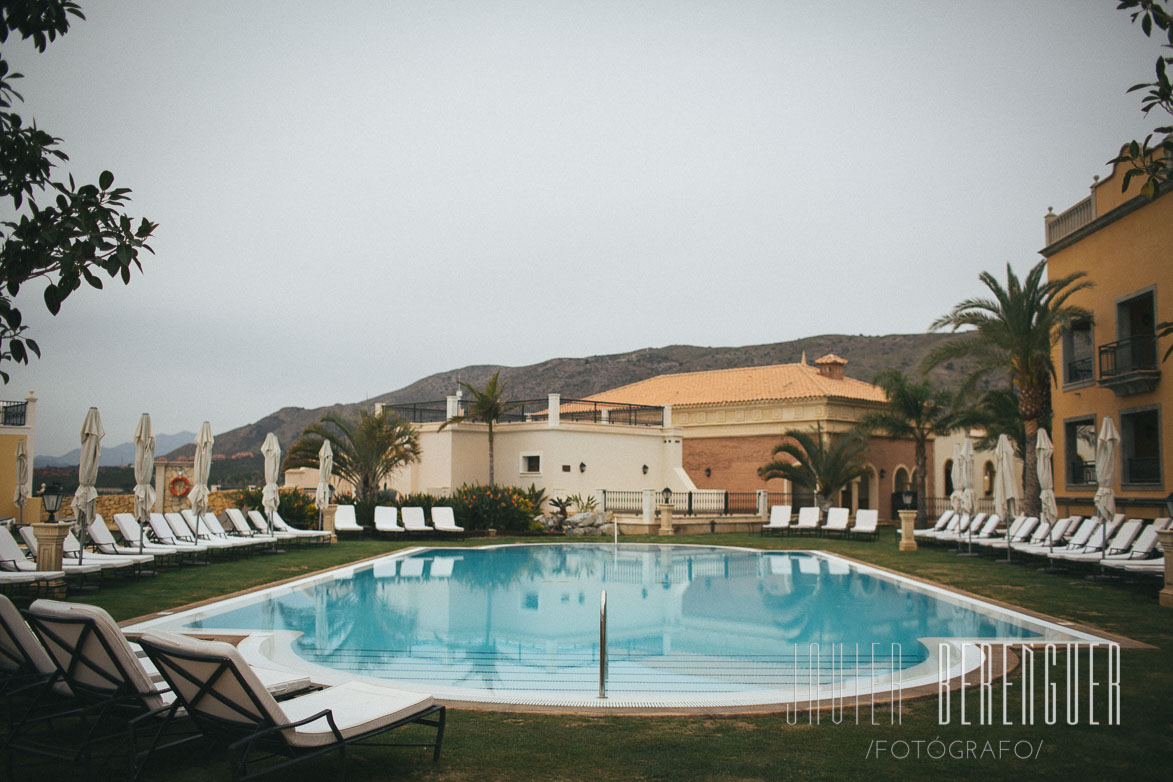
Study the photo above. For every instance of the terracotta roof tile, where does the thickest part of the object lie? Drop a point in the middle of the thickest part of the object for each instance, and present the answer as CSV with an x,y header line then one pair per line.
x,y
747,384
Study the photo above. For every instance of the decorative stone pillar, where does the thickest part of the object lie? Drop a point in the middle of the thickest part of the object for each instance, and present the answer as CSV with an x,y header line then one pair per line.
x,y
907,525
328,521
50,539
1166,596
763,504
554,405
665,510
649,506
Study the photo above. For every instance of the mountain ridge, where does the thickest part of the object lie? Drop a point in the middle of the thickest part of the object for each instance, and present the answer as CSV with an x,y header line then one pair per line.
x,y
579,377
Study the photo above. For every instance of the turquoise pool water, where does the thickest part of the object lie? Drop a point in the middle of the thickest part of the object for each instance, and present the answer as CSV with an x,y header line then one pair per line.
x,y
682,620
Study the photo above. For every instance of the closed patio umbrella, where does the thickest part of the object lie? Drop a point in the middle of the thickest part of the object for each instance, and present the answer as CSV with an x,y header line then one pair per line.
x,y
1048,510
1005,487
144,470
325,467
270,499
955,477
202,466
87,474
1107,446
968,477
21,495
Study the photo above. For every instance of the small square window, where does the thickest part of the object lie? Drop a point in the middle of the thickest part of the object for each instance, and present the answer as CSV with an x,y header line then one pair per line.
x,y
531,464
566,468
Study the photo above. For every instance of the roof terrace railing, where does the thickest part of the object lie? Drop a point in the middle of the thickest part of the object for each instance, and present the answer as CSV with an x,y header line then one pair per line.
x,y
14,413
531,410
1060,225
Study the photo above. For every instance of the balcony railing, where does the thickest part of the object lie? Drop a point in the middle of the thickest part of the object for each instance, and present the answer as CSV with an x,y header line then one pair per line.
x,y
1143,469
14,413
1128,355
1058,226
570,410
1081,473
1080,369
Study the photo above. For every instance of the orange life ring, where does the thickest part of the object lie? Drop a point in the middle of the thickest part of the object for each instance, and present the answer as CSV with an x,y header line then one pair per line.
x,y
179,486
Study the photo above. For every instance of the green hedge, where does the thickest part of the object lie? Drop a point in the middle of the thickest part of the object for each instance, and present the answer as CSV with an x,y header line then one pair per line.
x,y
295,506
505,508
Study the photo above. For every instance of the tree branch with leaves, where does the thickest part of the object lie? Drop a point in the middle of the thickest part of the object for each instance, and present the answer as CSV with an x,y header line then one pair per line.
x,y
61,233
367,449
1149,159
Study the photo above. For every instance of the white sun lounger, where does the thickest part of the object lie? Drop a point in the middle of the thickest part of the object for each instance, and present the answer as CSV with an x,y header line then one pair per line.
x,y
186,531
345,521
779,519
223,696
103,538
387,519
165,535
238,521
71,546
1015,537
1053,537
956,528
246,540
808,519
279,524
865,523
13,555
942,521
444,521
1142,548
1120,543
950,528
837,519
413,520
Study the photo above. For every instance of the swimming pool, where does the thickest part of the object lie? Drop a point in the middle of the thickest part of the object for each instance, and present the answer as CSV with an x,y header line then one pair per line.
x,y
687,625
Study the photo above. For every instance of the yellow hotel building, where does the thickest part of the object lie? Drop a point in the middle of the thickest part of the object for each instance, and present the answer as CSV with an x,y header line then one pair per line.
x,y
1111,366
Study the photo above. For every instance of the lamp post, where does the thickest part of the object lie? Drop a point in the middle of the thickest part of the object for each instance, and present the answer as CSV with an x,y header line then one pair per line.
x,y
51,501
666,513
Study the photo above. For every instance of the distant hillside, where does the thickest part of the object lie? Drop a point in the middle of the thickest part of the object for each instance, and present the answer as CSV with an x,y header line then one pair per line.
x,y
116,455
579,377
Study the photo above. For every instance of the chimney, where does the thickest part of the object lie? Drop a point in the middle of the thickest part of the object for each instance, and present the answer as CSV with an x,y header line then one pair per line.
x,y
831,366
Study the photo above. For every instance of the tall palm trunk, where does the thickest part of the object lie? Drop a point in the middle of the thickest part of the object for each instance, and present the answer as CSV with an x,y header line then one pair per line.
x,y
921,484
492,482
1031,403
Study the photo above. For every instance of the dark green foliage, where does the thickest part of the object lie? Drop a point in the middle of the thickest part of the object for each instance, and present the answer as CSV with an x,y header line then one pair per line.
x,y
820,464
367,448
420,500
1153,161
295,506
536,497
58,232
916,411
364,507
488,405
504,508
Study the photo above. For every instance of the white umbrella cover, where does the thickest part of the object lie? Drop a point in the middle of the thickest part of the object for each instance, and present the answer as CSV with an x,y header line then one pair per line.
x,y
198,496
87,473
144,471
21,495
1107,445
270,499
968,479
325,467
1049,510
955,477
1005,487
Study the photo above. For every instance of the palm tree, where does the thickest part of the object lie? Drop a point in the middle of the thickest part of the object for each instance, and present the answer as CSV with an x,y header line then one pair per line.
x,y
996,413
817,465
1015,330
366,449
488,406
916,411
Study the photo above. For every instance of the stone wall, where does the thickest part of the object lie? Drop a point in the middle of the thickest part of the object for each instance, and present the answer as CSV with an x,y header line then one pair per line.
x,y
109,504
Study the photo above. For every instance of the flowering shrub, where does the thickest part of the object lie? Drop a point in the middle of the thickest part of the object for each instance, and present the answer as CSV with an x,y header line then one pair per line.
x,y
493,507
295,506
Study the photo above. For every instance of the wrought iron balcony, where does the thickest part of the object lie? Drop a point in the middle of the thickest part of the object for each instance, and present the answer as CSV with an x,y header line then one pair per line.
x,y
1080,369
14,413
1081,473
1129,366
1146,469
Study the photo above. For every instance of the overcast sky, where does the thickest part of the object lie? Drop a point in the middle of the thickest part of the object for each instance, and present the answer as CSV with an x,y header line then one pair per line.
x,y
353,196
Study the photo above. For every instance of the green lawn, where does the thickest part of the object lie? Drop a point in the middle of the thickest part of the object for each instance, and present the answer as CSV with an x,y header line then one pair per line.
x,y
503,746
